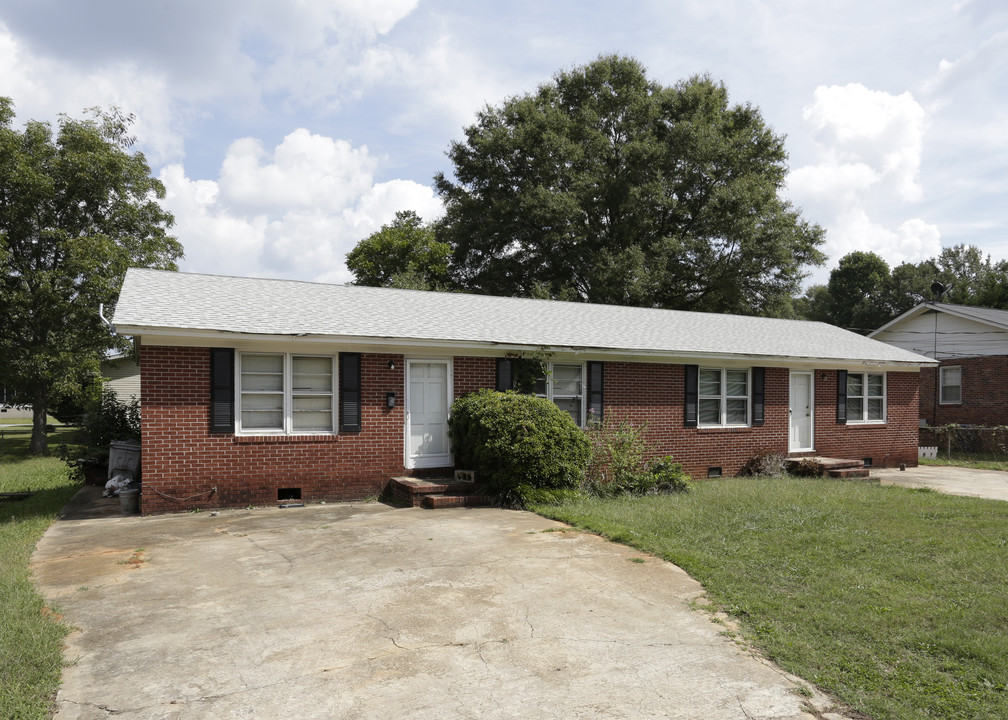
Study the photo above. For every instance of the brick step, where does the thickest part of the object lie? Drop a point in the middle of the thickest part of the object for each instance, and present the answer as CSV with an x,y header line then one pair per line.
x,y
849,472
412,491
449,501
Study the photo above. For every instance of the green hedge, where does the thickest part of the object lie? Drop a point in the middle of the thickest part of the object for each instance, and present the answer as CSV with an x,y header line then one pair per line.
x,y
514,440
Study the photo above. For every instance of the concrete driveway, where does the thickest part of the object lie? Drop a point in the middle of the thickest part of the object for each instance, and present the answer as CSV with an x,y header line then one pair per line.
x,y
991,484
367,611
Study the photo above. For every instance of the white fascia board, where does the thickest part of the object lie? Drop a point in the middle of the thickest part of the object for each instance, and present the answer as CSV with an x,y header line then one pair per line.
x,y
214,338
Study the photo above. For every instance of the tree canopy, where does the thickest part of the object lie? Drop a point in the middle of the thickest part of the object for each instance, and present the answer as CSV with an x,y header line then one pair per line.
x,y
77,208
403,254
604,186
863,293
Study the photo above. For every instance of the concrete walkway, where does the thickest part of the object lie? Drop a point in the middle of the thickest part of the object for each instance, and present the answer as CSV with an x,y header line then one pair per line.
x,y
991,484
362,610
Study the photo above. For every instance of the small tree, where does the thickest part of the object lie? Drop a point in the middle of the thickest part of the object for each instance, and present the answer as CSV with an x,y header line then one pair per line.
x,y
77,208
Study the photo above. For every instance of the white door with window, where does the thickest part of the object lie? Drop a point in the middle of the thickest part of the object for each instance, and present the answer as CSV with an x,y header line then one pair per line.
x,y
428,388
802,404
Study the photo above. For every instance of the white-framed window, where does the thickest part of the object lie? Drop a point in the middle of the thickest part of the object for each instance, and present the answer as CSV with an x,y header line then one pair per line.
x,y
285,393
723,397
866,397
563,385
951,385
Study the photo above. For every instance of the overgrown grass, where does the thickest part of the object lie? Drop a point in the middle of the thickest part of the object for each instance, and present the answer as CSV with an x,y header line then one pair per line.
x,y
31,634
893,600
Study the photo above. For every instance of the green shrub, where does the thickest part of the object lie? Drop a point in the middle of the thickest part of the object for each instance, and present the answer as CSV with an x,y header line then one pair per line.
x,y
514,440
619,462
109,418
668,476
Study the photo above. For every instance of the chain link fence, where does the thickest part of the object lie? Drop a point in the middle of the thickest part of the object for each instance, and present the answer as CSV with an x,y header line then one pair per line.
x,y
968,443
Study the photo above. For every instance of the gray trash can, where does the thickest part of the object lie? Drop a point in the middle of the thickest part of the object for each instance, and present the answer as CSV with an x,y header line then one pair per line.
x,y
129,501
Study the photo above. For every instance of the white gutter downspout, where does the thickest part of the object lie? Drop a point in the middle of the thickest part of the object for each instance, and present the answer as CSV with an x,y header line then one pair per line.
x,y
101,314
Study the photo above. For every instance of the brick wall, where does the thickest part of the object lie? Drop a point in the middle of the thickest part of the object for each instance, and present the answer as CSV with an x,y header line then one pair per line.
x,y
654,393
182,461
984,393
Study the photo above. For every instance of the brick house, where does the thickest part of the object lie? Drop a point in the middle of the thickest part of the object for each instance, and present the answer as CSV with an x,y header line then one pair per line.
x,y
970,384
255,390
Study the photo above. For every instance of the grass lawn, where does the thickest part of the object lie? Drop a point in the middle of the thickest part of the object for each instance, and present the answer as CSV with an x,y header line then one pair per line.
x,y
893,600
991,464
31,634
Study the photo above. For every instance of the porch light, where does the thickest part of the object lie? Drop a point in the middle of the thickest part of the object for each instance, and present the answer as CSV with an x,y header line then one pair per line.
x,y
390,399
391,364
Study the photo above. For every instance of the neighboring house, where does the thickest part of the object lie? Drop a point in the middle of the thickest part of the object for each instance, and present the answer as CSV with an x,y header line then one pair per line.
x,y
970,386
122,376
255,390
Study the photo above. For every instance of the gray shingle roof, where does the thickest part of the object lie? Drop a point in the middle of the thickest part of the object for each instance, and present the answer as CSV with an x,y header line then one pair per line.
x,y
153,301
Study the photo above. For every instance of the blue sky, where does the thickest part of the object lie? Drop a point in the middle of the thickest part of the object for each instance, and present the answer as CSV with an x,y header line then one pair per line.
x,y
286,132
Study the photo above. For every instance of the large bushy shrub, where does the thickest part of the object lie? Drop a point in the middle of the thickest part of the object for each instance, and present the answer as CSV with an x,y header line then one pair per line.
x,y
514,440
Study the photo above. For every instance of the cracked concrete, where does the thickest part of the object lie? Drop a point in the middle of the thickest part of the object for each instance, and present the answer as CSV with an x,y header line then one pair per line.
x,y
362,610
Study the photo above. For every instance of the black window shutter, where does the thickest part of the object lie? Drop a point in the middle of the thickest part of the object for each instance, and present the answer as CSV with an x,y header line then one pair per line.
x,y
758,395
841,397
222,390
350,392
596,389
505,379
692,377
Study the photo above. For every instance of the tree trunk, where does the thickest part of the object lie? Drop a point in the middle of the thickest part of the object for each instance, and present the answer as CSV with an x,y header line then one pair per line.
x,y
40,406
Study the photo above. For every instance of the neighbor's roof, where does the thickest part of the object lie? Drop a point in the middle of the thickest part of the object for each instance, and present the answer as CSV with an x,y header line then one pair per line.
x,y
988,316
168,303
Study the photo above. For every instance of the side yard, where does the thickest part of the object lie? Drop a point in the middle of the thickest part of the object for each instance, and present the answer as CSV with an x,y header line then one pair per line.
x,y
31,634
891,599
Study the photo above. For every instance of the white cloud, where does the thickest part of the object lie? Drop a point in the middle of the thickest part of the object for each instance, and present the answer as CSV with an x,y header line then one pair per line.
x,y
853,124
297,215
869,145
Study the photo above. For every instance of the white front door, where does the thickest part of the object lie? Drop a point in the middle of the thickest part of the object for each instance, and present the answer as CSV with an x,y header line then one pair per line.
x,y
427,401
802,403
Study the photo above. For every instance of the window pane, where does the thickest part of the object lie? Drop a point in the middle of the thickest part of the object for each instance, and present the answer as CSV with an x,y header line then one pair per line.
x,y
951,394
736,382
710,382
855,385
312,402
312,374
262,372
855,409
875,409
737,412
875,386
710,412
307,420
572,407
540,387
262,401
261,420
566,380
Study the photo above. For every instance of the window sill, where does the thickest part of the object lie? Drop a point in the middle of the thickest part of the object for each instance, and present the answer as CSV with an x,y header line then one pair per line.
x,y
867,423
287,439
711,429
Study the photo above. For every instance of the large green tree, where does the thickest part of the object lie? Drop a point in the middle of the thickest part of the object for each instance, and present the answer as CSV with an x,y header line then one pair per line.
x,y
863,293
605,186
403,254
77,208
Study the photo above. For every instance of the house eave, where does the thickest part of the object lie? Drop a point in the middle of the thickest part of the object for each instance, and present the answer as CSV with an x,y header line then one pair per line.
x,y
209,338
